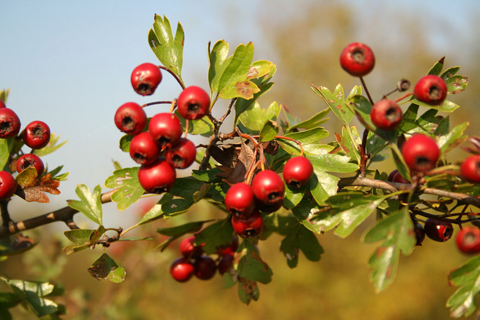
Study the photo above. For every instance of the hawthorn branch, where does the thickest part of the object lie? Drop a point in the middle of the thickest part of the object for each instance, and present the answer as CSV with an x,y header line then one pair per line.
x,y
61,215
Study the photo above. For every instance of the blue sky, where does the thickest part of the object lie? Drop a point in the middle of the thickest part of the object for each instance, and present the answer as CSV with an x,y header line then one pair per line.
x,y
68,63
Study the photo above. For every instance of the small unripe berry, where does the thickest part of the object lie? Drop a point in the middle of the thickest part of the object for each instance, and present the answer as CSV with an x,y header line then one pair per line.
x,y
297,172
165,129
130,118
420,152
431,90
145,78
157,177
193,103
357,59
247,227
239,199
9,123
143,148
8,185
30,160
386,114
182,270
437,230
36,134
468,240
181,155
470,169
205,268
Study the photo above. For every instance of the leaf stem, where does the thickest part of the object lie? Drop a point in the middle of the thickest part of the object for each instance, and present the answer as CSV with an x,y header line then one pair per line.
x,y
180,82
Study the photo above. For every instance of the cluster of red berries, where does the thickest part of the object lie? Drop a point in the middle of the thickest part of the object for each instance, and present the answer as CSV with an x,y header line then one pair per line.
x,y
36,135
195,262
161,149
266,194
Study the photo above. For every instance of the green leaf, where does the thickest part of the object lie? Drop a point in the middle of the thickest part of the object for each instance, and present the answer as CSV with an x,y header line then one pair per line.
x,y
248,290
51,147
124,142
32,294
105,268
437,67
55,173
203,126
269,131
218,62
456,84
252,267
254,118
349,142
174,233
449,72
396,231
90,204
446,106
241,105
335,102
156,211
4,95
27,177
453,139
82,239
311,123
311,136
6,146
400,162
176,206
129,188
332,163
300,238
207,175
216,235
467,277
8,300
169,50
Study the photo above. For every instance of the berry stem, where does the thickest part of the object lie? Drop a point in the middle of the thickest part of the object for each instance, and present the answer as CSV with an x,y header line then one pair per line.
x,y
186,127
156,102
180,82
363,153
172,107
5,215
406,95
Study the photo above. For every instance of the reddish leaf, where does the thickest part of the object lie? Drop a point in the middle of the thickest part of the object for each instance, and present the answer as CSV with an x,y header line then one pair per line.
x,y
36,193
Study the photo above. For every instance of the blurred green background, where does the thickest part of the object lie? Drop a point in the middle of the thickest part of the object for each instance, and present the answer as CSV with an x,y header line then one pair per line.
x,y
69,64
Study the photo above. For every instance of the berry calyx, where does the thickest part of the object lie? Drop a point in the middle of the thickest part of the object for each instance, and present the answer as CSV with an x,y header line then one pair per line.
x,y
189,249
205,268
357,59
143,148
181,155
30,160
470,169
297,172
248,227
9,123
130,118
36,134
468,240
239,199
165,129
420,152
193,103
8,185
182,270
145,78
431,90
437,230
157,177
268,187
386,114
225,263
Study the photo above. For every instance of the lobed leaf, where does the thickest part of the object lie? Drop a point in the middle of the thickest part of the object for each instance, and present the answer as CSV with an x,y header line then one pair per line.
x,y
254,118
335,101
129,189
51,147
90,204
467,278
216,235
105,268
311,123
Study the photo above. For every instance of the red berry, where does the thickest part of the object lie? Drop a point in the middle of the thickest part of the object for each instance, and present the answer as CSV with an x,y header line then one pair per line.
x,y
193,103
157,177
268,187
395,176
438,230
225,263
9,123
189,250
231,249
130,118
181,155
143,148
297,172
420,152
386,114
419,234
431,90
205,268
30,160
239,199
468,240
145,78
182,270
2,104
36,134
8,185
470,169
247,227
165,129
357,59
